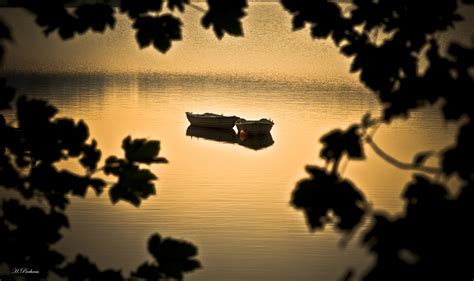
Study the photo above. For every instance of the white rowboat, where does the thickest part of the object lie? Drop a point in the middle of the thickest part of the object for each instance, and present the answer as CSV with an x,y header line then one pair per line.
x,y
211,120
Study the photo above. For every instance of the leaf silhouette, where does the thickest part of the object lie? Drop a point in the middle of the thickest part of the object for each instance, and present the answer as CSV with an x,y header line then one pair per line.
x,y
4,36
6,92
71,136
141,150
160,31
337,143
82,269
179,4
173,256
134,184
225,17
136,8
91,156
324,192
95,16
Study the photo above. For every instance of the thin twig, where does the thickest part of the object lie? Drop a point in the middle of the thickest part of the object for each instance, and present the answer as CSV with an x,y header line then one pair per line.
x,y
374,129
376,35
91,173
197,7
397,163
344,166
335,166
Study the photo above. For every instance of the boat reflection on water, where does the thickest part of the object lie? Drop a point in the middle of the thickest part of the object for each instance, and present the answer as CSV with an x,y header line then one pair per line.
x,y
230,136
256,142
219,135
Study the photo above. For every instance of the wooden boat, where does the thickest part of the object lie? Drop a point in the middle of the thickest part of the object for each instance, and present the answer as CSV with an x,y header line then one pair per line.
x,y
211,120
254,127
219,135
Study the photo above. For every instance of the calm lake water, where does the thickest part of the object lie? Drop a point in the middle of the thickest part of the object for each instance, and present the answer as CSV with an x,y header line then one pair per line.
x,y
229,200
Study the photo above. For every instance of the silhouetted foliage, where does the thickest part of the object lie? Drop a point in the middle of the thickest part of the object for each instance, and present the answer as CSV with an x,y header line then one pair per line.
x,y
179,4
328,198
135,9
174,257
386,40
29,226
4,36
433,240
339,143
153,25
6,94
52,15
225,17
82,269
157,30
30,151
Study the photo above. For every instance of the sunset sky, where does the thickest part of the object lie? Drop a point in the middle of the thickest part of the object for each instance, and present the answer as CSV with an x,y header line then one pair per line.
x,y
269,47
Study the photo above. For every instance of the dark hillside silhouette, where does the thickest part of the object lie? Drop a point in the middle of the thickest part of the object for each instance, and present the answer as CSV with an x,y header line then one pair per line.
x,y
386,40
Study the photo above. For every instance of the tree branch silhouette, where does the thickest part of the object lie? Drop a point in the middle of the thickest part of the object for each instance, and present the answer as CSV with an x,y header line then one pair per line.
x,y
197,8
423,243
400,165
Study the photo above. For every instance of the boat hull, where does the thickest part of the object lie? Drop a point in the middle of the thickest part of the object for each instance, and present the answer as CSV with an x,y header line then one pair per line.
x,y
209,120
261,127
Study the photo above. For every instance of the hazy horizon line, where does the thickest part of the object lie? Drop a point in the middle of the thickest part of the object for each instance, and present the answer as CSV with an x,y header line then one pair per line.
x,y
214,75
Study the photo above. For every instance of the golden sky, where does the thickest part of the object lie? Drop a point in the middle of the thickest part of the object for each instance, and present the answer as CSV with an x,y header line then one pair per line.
x,y
269,47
